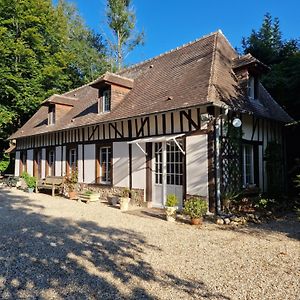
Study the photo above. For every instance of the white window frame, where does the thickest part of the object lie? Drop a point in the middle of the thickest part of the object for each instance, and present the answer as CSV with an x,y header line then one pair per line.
x,y
245,170
72,164
172,151
251,87
107,161
51,166
51,115
106,96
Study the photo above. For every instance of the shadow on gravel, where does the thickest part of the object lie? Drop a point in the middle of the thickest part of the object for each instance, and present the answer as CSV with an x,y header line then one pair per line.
x,y
53,258
288,225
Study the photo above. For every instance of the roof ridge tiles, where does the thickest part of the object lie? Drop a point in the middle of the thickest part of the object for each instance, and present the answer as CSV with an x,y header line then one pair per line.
x,y
169,51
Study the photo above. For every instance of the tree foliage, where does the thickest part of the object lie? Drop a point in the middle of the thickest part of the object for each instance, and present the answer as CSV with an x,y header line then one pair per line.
x,y
283,81
121,21
44,49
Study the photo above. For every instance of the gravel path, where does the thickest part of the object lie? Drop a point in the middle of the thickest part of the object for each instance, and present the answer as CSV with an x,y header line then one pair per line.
x,y
54,248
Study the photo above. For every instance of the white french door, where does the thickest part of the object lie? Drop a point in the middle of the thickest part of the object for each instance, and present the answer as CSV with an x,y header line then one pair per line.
x,y
167,172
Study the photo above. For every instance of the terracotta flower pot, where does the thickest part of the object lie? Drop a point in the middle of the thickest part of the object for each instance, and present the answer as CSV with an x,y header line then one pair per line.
x,y
72,195
196,221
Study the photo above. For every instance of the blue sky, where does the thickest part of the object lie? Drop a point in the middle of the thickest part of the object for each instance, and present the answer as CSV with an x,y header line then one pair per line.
x,y
171,23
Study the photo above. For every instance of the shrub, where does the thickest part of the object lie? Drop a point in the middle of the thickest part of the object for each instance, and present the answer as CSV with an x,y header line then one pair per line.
x,y
29,180
4,162
172,200
195,207
125,193
72,180
264,203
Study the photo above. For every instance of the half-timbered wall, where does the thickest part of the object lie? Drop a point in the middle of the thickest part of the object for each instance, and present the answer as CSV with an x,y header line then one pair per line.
x,y
153,125
259,132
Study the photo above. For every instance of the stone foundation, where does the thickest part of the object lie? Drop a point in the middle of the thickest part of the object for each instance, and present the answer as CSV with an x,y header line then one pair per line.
x,y
137,195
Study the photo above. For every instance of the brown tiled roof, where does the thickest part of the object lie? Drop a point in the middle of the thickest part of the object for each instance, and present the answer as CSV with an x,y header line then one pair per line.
x,y
115,79
197,73
246,60
60,99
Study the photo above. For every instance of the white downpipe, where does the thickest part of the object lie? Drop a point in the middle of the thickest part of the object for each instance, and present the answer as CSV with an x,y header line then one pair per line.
x,y
164,172
218,171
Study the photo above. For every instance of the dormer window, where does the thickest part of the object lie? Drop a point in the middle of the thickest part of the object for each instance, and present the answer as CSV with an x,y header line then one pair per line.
x,y
253,88
51,115
104,102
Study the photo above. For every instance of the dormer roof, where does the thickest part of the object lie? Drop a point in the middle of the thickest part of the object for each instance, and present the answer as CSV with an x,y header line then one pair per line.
x,y
112,78
250,62
60,99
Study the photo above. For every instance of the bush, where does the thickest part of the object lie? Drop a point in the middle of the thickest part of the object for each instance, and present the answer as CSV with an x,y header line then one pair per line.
x,y
4,162
125,193
172,200
71,180
264,203
195,207
29,180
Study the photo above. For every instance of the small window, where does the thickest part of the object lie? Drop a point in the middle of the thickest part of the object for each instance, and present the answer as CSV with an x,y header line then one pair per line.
x,y
105,165
104,102
253,88
51,163
72,159
51,115
248,164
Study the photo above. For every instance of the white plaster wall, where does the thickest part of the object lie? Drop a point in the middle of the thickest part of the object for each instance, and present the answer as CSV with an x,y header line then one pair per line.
x,y
197,165
17,164
138,167
261,166
30,162
80,164
64,155
58,161
89,163
121,164
43,162
247,127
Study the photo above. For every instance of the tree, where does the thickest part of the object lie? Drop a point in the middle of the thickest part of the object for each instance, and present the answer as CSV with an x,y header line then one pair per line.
x,y
267,45
121,21
283,81
86,47
44,49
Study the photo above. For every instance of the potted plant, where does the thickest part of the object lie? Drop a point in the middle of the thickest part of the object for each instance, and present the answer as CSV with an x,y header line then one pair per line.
x,y
89,196
30,181
124,199
196,208
171,207
71,184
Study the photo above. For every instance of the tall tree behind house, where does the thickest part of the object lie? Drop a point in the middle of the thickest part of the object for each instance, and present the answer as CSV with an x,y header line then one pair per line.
x,y
121,21
44,49
283,80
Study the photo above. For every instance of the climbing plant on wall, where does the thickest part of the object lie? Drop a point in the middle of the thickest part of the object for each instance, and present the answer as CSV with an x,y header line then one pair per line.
x,y
231,143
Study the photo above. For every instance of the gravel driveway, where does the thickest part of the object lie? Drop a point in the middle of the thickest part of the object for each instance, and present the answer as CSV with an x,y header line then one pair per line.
x,y
54,248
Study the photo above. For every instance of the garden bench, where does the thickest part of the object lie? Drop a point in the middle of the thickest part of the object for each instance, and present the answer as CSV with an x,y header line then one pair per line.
x,y
51,183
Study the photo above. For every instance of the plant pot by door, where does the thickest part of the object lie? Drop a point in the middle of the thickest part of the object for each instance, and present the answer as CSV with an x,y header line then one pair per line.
x,y
171,213
196,221
124,203
30,190
72,195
